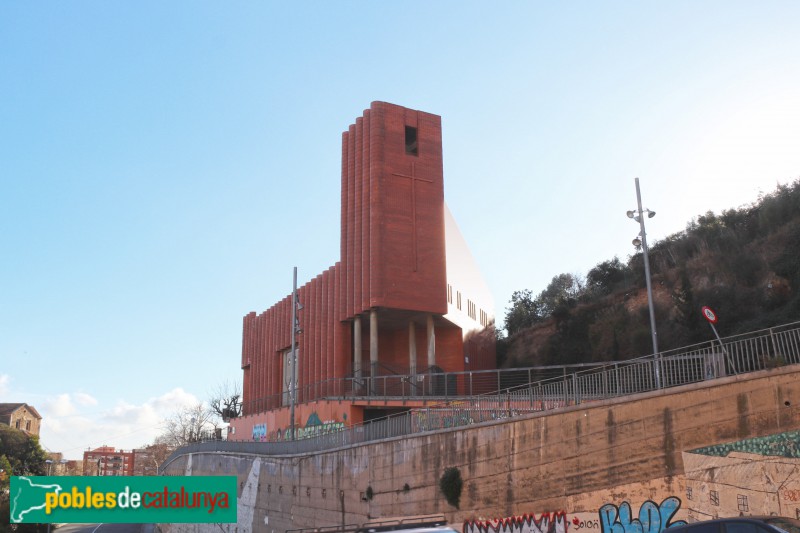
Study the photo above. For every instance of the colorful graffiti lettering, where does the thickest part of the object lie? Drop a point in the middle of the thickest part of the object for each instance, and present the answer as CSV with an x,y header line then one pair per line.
x,y
313,431
320,429
780,445
440,419
528,523
653,518
259,432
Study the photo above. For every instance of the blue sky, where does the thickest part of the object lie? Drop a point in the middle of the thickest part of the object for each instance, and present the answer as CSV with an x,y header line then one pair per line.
x,y
164,165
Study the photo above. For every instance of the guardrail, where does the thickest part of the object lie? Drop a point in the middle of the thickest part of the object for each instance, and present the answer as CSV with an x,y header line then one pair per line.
x,y
565,386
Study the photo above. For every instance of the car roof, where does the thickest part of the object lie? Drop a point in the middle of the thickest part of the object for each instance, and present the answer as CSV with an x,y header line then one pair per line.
x,y
766,519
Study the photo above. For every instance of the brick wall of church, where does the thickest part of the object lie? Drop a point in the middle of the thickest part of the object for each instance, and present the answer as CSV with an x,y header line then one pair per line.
x,y
323,345
392,245
392,260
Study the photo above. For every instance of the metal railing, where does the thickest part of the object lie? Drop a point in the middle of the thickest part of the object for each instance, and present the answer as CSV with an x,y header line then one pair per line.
x,y
557,387
423,385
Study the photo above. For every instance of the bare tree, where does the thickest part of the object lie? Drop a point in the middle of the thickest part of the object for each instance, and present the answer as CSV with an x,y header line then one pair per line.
x,y
150,457
189,424
226,402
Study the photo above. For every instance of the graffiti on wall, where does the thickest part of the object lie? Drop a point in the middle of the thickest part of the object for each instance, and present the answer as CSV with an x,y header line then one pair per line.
x,y
259,432
430,419
653,517
778,445
314,427
528,523
329,426
582,522
759,475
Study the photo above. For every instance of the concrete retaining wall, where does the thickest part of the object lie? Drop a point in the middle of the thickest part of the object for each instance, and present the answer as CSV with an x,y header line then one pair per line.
x,y
565,467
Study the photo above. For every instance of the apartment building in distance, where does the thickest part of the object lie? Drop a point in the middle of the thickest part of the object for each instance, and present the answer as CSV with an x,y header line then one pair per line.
x,y
108,461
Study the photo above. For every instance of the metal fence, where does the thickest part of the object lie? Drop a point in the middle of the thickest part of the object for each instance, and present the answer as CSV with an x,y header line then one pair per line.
x,y
542,389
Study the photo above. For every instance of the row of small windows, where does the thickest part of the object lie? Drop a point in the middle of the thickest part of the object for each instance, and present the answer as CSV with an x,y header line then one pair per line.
x,y
472,309
713,498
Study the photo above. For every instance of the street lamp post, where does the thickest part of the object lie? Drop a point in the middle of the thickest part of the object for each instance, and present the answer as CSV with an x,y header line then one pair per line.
x,y
296,306
638,216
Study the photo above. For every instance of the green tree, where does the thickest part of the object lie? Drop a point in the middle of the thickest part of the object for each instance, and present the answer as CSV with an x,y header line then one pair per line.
x,y
523,313
23,452
20,455
607,276
563,290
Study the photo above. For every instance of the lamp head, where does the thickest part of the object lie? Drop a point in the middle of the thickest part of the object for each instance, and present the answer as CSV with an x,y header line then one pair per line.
x,y
630,214
637,242
650,214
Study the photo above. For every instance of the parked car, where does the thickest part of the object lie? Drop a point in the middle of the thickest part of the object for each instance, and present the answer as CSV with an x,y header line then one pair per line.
x,y
742,524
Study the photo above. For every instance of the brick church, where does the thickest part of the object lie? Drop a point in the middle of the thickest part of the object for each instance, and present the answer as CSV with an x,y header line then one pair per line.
x,y
401,321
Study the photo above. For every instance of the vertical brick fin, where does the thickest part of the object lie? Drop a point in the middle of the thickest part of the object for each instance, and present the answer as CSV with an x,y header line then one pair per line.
x,y
323,354
270,369
341,334
312,324
258,379
254,362
247,326
269,375
334,324
330,324
319,318
310,335
341,308
283,332
274,357
376,153
265,352
349,230
365,203
359,206
304,341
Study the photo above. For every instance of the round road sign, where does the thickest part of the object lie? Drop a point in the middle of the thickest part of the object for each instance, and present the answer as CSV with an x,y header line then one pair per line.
x,y
710,315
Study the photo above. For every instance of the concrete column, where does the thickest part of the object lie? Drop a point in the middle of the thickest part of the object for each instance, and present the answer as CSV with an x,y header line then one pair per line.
x,y
357,373
412,357
373,347
431,350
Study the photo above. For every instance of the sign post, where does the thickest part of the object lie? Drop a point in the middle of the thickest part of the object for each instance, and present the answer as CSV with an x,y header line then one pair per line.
x,y
711,316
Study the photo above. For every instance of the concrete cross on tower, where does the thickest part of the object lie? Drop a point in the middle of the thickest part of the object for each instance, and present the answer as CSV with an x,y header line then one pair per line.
x,y
414,179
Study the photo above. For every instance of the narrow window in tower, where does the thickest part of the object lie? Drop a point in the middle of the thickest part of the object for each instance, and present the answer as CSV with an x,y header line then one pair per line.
x,y
411,141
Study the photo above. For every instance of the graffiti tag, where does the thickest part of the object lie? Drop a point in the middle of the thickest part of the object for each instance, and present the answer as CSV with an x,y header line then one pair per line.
x,y
440,419
528,523
653,518
259,432
792,495
585,524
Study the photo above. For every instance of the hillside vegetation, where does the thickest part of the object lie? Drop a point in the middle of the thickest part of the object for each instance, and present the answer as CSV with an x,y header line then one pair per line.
x,y
743,263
